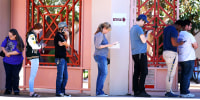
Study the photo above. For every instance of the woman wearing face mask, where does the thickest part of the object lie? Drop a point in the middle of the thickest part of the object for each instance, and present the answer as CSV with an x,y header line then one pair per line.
x,y
32,53
13,47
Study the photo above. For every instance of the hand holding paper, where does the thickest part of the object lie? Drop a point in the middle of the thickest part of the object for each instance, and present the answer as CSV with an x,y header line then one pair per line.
x,y
116,45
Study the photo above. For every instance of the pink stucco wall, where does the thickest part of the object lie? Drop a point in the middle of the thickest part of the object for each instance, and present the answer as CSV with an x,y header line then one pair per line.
x,y
18,17
4,28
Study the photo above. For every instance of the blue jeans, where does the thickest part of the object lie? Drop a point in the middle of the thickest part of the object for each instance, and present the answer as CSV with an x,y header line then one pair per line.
x,y
34,69
102,73
187,68
12,76
62,75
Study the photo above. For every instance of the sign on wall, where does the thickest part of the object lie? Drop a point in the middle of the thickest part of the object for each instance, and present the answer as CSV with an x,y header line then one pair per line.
x,y
119,19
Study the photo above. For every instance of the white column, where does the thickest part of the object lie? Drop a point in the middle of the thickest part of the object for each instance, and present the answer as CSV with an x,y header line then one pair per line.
x,y
104,11
120,57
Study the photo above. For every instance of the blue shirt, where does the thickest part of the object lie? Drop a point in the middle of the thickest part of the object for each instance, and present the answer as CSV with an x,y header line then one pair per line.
x,y
169,32
137,46
11,45
100,39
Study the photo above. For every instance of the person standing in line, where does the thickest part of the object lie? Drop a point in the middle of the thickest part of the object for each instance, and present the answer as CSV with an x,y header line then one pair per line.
x,y
139,50
13,47
186,58
170,55
32,53
101,54
61,43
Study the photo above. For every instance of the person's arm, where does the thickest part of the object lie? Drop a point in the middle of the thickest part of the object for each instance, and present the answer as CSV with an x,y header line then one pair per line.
x,y
195,45
175,43
63,43
4,50
143,38
105,46
13,53
3,45
98,41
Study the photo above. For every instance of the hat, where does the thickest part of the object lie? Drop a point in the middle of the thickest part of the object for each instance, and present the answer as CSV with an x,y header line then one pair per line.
x,y
62,24
143,17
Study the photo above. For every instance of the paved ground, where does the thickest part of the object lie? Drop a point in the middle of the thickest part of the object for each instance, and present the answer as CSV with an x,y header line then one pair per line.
x,y
195,89
50,93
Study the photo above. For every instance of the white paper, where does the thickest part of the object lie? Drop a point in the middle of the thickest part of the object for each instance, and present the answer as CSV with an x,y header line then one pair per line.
x,y
116,46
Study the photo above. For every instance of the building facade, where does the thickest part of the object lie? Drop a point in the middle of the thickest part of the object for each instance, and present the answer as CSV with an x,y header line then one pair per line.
x,y
120,13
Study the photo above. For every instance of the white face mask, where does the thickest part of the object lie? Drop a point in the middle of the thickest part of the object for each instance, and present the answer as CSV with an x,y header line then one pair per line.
x,y
37,31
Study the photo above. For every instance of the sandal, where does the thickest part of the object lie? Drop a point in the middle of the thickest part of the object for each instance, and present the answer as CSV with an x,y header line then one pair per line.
x,y
35,95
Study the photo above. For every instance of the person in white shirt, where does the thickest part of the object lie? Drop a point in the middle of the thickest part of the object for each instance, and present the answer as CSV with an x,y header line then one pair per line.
x,y
186,58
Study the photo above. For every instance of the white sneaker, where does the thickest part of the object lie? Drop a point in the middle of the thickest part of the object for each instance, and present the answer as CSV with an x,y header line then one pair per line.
x,y
189,95
102,95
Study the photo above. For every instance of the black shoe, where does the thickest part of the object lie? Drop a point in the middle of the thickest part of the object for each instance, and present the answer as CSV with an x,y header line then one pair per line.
x,y
136,94
7,92
63,95
144,94
16,93
67,95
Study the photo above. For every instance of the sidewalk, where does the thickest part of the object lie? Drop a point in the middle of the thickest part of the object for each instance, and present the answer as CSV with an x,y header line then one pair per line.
x,y
194,89
47,93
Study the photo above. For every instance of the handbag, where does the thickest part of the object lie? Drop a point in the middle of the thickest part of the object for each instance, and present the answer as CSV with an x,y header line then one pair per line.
x,y
108,61
2,54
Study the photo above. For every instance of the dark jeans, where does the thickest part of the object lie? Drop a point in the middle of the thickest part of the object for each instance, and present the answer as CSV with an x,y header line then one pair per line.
x,y
140,72
62,75
187,68
12,76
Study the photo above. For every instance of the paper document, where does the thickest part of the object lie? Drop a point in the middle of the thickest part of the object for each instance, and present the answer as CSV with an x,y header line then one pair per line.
x,y
117,46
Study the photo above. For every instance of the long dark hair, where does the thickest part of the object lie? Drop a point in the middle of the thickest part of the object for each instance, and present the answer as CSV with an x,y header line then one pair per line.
x,y
20,43
36,26
101,26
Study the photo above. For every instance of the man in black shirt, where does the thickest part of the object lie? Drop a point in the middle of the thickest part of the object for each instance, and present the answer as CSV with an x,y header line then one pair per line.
x,y
61,44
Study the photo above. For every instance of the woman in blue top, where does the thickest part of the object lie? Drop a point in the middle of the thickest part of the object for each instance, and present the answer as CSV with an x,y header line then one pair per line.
x,y
13,47
100,55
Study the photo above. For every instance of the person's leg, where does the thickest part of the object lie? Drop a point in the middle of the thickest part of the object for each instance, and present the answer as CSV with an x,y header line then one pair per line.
x,y
60,69
103,71
171,59
15,71
182,64
186,74
136,74
34,69
8,86
144,71
98,75
65,76
98,91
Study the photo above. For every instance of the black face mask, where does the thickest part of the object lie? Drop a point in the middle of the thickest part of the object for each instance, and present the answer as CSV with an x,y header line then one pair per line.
x,y
62,30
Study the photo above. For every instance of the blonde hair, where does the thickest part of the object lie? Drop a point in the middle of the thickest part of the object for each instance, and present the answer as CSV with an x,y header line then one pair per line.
x,y
103,25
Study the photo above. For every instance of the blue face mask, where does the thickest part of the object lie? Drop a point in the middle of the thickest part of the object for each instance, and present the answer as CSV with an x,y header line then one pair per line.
x,y
64,30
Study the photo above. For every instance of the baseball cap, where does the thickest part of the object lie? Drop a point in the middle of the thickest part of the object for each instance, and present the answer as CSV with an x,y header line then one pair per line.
x,y
62,24
143,17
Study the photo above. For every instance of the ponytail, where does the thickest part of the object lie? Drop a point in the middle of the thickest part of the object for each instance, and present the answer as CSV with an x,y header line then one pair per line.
x,y
101,26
